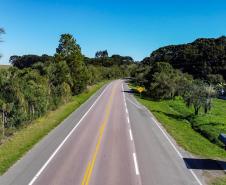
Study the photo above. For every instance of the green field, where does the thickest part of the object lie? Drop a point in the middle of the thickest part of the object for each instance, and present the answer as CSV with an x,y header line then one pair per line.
x,y
4,66
23,140
196,134
219,181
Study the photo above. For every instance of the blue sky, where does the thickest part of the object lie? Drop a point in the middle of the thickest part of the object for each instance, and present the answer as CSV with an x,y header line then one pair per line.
x,y
125,27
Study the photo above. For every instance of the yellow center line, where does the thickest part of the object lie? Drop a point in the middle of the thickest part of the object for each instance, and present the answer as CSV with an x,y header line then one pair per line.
x,y
86,173
90,166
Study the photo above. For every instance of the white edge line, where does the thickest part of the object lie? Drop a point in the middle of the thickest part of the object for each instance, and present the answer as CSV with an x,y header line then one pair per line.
x,y
167,137
131,136
195,176
128,119
139,107
175,148
65,139
135,164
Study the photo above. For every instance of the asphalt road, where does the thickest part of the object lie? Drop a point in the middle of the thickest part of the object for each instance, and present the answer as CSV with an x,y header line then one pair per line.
x,y
109,140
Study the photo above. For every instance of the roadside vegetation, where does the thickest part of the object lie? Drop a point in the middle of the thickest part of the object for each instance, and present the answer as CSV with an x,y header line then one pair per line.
x,y
180,121
38,92
27,136
219,181
35,84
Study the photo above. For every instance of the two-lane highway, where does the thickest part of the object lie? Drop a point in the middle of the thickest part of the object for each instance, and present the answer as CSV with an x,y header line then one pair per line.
x,y
98,151
110,140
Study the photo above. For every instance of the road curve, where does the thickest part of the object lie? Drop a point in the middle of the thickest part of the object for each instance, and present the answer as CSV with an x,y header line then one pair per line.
x,y
109,140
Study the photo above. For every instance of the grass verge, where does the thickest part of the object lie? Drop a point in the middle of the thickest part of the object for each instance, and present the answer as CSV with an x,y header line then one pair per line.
x,y
169,113
176,117
23,140
173,116
219,181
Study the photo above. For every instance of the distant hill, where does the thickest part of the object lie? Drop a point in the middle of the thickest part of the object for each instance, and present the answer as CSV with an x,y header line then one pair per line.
x,y
199,58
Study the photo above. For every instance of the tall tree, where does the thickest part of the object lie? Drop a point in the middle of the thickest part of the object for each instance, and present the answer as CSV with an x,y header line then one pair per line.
x,y
101,54
59,80
68,46
69,51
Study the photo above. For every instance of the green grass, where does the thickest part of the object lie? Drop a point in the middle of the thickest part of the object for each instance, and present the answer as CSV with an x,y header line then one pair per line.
x,y
23,140
180,121
213,123
220,181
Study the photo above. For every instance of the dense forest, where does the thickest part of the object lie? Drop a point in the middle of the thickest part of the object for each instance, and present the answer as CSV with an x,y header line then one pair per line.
x,y
35,84
195,71
200,58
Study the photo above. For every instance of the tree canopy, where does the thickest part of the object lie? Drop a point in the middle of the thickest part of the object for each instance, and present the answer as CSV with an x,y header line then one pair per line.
x,y
26,61
199,58
35,84
101,54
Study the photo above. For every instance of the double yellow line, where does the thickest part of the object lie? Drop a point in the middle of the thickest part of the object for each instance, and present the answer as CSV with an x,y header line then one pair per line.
x,y
90,166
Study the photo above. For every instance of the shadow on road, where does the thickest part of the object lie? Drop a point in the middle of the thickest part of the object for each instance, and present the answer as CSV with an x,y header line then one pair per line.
x,y
204,164
129,91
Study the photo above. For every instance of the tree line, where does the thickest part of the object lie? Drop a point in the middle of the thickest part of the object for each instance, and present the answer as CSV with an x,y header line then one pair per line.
x,y
36,84
201,58
195,72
